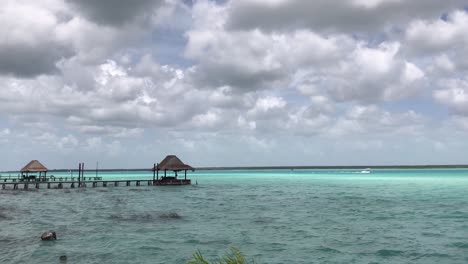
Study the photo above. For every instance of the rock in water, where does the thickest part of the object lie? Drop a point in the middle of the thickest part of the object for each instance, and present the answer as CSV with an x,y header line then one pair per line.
x,y
63,258
49,235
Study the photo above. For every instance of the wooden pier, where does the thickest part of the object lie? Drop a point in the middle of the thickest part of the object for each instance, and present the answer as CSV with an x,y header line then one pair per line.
x,y
34,176
25,185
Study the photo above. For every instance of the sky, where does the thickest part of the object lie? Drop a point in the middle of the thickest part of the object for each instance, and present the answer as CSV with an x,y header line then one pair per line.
x,y
233,82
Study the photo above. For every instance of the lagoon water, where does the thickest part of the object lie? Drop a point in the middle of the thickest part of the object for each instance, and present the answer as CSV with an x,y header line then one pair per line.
x,y
282,216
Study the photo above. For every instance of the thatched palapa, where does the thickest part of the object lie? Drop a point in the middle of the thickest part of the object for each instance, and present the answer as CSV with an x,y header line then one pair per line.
x,y
171,163
32,167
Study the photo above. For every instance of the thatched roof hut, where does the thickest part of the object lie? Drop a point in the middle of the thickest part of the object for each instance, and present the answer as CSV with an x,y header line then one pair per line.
x,y
173,163
34,166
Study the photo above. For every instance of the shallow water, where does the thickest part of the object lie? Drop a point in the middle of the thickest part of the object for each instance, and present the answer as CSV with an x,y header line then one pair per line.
x,y
306,216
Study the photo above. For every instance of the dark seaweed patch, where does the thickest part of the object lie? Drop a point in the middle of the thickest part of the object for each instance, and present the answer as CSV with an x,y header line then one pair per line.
x,y
170,215
139,218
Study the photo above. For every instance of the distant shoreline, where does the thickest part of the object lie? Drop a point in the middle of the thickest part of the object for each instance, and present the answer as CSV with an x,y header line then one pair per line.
x,y
281,168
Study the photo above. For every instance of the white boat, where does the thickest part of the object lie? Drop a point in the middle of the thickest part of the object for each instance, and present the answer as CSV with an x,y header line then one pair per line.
x,y
367,170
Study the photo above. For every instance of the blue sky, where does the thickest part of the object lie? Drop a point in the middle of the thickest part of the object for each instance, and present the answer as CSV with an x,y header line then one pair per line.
x,y
233,83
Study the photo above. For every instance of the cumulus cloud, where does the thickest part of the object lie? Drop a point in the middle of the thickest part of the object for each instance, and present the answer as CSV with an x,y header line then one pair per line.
x,y
116,12
372,120
334,16
28,42
366,75
454,95
440,34
36,35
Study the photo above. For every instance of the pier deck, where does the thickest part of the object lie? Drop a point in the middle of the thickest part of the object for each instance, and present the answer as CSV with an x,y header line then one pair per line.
x,y
18,185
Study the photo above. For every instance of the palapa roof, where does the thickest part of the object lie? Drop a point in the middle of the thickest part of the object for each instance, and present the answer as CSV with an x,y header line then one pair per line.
x,y
34,166
173,163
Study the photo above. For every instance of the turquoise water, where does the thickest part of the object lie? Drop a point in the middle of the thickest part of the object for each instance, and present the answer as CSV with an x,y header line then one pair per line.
x,y
389,216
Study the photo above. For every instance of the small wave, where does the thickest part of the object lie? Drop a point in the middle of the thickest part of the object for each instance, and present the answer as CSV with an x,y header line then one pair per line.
x,y
29,190
429,234
131,218
3,216
460,244
263,220
389,253
216,242
10,192
138,190
328,249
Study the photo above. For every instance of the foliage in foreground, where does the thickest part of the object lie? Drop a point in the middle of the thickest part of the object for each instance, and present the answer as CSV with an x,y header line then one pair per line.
x,y
234,256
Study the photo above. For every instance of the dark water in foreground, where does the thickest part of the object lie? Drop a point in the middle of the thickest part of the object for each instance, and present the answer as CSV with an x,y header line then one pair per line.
x,y
405,216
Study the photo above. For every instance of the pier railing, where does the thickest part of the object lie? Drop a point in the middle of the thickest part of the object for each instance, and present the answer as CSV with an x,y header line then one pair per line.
x,y
45,179
73,184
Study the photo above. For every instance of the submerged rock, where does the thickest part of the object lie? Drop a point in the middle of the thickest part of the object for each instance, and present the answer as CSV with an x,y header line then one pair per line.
x,y
63,258
49,235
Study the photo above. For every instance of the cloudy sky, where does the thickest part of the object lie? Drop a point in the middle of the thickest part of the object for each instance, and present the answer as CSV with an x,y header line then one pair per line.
x,y
233,82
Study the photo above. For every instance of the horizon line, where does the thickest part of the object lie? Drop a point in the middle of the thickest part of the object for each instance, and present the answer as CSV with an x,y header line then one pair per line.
x,y
278,168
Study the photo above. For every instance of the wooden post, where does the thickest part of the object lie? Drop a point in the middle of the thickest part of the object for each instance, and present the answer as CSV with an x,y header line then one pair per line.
x,y
82,174
3,186
104,184
37,185
79,173
48,185
116,184
128,183
25,186
154,171
60,185
185,174
157,172
138,183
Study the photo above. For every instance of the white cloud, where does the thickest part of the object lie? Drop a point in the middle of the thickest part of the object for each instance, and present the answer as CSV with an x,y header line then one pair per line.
x,y
439,35
334,15
454,95
372,120
208,119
